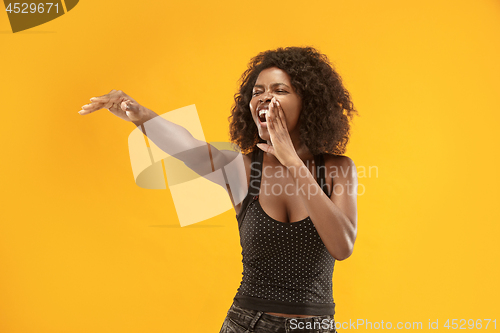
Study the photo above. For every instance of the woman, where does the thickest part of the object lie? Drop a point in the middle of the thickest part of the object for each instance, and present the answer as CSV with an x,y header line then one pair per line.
x,y
291,121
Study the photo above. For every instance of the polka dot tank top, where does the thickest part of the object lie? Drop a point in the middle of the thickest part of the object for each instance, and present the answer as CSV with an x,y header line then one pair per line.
x,y
286,266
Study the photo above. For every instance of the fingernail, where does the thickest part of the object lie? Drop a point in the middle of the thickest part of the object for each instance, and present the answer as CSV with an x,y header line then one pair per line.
x,y
93,98
80,112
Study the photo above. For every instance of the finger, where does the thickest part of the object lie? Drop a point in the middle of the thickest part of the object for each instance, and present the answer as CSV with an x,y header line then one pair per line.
x,y
97,103
265,147
128,105
91,107
276,122
269,121
270,115
103,98
102,102
125,105
277,118
271,129
85,110
107,100
281,114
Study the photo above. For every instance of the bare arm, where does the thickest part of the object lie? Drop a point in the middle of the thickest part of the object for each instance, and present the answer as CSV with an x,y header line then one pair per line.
x,y
335,218
178,142
173,139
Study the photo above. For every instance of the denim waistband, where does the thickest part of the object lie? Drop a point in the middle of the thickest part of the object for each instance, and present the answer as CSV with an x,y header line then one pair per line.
x,y
252,319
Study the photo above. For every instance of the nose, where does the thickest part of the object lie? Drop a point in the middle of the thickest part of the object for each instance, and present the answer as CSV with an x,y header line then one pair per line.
x,y
265,96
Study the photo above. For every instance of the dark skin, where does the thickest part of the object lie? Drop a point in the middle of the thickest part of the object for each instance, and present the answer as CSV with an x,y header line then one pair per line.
x,y
334,217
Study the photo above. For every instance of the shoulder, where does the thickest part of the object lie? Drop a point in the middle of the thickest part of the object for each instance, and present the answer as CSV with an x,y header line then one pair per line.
x,y
340,166
339,160
247,159
230,155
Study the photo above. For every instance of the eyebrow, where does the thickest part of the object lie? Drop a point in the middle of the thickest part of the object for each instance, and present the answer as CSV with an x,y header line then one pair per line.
x,y
272,85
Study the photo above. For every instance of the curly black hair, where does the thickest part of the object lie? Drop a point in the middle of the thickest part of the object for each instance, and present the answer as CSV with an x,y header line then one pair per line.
x,y
326,105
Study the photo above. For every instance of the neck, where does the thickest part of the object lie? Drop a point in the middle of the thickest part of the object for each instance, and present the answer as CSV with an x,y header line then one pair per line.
x,y
301,149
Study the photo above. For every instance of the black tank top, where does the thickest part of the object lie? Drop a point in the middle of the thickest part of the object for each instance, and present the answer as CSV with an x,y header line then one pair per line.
x,y
286,266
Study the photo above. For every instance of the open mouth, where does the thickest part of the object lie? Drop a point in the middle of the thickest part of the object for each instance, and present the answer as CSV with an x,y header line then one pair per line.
x,y
262,115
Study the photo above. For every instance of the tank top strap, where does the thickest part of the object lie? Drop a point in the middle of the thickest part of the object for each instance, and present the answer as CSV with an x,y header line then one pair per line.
x,y
255,172
319,162
254,185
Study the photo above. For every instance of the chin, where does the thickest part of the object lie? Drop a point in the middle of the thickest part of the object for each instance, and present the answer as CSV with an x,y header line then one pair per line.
x,y
265,136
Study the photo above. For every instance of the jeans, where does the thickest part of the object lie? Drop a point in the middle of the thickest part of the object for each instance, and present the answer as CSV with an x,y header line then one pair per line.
x,y
240,320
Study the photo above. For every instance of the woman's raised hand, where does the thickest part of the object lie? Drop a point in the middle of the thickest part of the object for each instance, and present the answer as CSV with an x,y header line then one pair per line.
x,y
118,103
281,144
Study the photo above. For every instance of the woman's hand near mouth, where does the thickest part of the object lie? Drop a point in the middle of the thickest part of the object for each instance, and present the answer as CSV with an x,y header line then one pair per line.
x,y
281,145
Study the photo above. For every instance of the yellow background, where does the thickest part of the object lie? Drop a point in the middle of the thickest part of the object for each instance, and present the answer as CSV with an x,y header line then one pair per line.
x,y
83,249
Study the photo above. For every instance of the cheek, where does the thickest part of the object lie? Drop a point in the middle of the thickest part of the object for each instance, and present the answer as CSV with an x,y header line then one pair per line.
x,y
292,111
252,105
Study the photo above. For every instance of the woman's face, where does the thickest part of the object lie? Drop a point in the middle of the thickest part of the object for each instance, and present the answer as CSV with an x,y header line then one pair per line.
x,y
274,82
